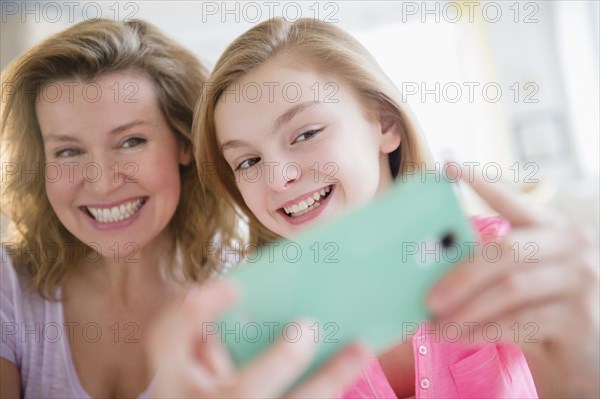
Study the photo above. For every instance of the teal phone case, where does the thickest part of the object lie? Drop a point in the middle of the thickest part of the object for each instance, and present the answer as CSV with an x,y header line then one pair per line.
x,y
362,276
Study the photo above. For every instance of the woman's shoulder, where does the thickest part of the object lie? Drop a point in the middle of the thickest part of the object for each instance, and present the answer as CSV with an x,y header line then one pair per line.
x,y
11,281
15,289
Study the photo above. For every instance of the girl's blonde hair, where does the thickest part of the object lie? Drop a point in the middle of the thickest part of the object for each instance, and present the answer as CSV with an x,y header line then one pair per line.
x,y
321,46
40,245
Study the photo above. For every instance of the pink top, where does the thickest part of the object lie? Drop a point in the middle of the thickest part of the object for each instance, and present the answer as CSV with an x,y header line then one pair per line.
x,y
34,338
449,370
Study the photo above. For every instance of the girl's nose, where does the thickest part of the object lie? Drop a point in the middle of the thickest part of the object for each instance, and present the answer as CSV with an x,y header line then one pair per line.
x,y
283,175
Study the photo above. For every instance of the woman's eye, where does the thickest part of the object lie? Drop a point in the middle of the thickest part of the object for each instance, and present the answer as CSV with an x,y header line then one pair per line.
x,y
133,142
307,135
67,152
247,163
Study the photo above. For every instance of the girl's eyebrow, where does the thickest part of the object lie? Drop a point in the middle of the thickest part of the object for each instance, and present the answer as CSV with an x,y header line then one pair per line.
x,y
293,111
231,144
279,122
117,130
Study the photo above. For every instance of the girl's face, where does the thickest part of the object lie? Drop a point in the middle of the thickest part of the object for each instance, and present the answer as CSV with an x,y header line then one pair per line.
x,y
301,146
112,162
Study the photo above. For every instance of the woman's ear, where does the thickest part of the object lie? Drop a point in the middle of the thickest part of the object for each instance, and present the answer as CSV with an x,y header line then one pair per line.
x,y
391,133
185,154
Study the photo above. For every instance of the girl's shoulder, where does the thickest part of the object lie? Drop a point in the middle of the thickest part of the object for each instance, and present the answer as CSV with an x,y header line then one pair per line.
x,y
490,228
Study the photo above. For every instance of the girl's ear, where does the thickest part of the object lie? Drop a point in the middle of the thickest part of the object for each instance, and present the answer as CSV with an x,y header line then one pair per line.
x,y
391,134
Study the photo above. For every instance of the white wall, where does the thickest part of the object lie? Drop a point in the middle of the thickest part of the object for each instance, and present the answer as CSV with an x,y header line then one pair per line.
x,y
548,50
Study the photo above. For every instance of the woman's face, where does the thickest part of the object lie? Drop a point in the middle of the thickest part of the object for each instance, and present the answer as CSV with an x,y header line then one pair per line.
x,y
301,146
112,161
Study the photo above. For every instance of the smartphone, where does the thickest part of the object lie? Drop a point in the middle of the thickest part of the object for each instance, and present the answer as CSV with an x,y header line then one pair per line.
x,y
362,276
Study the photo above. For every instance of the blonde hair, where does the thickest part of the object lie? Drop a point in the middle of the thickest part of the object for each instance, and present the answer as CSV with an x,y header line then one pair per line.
x,y
85,51
321,46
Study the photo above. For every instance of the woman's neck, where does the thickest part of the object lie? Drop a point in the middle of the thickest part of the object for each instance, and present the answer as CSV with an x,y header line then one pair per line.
x,y
132,274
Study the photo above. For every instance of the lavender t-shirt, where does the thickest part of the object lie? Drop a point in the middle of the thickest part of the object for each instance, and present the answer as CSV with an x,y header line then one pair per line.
x,y
35,337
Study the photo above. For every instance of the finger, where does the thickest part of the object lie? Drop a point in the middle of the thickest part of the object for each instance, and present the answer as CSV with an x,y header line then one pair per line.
x,y
502,198
274,371
202,306
527,326
174,333
214,356
522,249
209,300
523,289
170,352
336,375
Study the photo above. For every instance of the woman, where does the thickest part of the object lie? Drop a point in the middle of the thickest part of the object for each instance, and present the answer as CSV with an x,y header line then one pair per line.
x,y
110,226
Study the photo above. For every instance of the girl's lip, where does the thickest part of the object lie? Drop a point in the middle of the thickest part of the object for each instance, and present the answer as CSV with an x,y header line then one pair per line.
x,y
297,220
302,197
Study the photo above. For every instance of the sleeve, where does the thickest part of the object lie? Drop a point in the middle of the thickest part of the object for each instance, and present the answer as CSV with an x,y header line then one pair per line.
x,y
490,228
9,288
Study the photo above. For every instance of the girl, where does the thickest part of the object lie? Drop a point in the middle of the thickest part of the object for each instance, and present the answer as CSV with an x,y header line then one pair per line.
x,y
302,124
110,223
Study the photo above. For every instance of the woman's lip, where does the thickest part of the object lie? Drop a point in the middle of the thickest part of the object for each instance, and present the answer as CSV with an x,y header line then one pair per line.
x,y
105,226
297,220
303,197
114,204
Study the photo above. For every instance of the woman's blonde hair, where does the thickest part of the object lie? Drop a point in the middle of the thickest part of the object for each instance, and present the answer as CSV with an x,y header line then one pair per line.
x,y
40,245
318,45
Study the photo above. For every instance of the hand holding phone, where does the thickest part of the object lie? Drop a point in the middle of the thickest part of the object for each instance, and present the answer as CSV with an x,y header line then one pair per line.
x,y
364,276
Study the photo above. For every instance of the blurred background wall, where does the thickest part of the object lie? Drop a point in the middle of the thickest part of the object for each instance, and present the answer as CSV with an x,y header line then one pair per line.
x,y
512,86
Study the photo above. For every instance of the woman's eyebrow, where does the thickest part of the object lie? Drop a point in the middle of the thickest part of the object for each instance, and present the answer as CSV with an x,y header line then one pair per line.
x,y
116,130
59,138
129,125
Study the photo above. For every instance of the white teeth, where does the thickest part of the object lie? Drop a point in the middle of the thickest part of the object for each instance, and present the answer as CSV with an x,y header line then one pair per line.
x,y
302,205
115,214
311,202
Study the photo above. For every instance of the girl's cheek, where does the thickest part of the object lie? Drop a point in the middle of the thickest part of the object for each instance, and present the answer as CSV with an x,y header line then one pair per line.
x,y
251,193
246,192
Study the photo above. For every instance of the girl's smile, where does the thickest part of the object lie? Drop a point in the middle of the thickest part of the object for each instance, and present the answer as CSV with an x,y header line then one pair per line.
x,y
307,207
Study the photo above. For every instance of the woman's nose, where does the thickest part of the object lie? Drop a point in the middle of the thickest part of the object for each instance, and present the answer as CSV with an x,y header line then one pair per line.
x,y
102,175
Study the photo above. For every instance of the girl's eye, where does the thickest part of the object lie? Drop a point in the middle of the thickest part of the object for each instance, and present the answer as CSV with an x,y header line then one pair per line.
x,y
67,152
307,135
247,163
133,142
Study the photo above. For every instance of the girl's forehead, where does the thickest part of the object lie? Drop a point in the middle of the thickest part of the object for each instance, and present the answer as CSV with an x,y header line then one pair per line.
x,y
264,104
